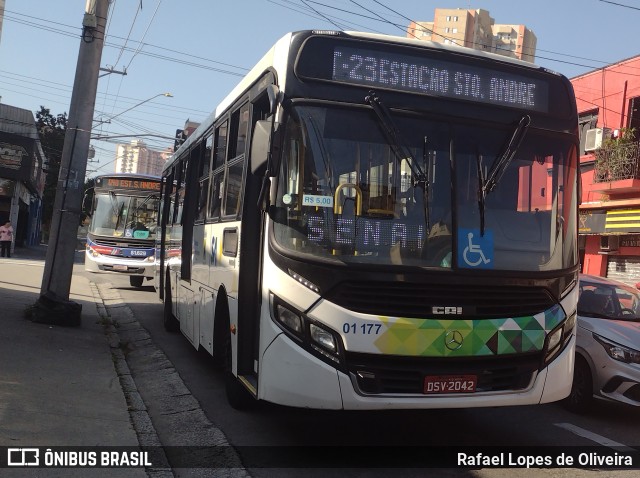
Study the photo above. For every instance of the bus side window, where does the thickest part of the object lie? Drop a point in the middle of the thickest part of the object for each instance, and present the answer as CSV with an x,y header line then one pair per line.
x,y
235,161
217,168
239,130
180,168
216,195
171,196
233,189
203,190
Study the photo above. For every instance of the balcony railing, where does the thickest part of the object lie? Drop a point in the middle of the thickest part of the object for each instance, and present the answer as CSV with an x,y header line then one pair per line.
x,y
615,162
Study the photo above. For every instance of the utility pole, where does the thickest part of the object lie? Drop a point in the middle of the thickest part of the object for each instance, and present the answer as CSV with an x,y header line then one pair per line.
x,y
53,305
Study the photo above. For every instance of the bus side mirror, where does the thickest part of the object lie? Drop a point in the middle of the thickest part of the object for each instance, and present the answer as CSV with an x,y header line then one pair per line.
x,y
261,146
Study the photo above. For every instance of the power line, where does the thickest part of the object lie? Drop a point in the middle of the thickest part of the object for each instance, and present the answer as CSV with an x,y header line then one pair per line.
x,y
128,35
37,82
322,15
144,34
45,23
572,63
620,5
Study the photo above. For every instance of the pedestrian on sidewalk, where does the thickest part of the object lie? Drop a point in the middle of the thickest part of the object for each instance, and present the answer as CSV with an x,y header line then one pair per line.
x,y
6,236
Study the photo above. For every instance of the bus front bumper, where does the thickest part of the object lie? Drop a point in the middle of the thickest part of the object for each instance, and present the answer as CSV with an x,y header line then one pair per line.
x,y
291,376
119,265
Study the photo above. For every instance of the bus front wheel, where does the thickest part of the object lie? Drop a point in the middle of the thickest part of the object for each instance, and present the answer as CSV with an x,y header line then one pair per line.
x,y
136,281
581,396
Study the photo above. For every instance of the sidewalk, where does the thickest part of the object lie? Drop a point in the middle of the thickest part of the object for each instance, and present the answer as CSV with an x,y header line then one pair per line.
x,y
58,385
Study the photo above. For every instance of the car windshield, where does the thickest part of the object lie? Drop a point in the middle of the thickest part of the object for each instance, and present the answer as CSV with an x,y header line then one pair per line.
x,y
609,301
347,193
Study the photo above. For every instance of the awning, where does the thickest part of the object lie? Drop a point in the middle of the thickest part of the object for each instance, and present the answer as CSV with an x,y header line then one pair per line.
x,y
623,220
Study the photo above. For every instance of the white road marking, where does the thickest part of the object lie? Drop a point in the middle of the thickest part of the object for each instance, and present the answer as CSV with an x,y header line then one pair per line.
x,y
599,439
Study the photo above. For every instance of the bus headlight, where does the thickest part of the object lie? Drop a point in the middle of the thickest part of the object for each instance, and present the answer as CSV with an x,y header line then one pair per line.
x,y
323,338
324,342
316,338
554,339
558,338
289,319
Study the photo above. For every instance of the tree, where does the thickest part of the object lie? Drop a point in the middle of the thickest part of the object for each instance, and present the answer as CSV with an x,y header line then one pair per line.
x,y
51,130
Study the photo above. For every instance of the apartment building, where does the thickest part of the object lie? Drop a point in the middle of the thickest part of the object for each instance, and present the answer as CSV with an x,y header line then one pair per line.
x,y
137,158
476,29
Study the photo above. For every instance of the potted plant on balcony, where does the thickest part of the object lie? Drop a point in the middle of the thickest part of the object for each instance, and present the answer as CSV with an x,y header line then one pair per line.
x,y
617,157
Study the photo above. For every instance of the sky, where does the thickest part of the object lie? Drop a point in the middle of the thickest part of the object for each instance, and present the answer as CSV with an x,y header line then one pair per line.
x,y
197,50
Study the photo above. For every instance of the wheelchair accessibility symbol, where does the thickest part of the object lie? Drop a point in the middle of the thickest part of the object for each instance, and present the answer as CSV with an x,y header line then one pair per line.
x,y
475,251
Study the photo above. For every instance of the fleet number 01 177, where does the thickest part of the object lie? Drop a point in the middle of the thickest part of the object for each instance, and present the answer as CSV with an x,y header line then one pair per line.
x,y
365,329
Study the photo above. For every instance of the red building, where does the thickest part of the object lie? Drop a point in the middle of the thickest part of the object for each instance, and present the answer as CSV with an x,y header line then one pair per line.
x,y
609,115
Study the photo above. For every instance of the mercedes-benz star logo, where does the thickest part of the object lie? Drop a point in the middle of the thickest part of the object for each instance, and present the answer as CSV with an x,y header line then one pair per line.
x,y
453,340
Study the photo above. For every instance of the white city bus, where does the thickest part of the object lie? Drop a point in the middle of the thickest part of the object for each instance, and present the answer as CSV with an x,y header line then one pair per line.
x,y
122,232
375,222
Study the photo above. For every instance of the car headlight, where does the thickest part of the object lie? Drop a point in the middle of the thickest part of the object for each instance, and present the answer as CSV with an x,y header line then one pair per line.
x,y
314,337
617,351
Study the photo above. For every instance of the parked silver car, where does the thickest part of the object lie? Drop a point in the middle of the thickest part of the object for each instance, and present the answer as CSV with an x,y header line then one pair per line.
x,y
608,344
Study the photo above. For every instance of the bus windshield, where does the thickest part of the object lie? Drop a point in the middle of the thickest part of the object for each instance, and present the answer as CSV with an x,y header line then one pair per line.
x,y
346,193
123,215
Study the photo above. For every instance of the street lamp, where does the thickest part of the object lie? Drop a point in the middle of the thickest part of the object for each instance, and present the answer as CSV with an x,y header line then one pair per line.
x,y
168,95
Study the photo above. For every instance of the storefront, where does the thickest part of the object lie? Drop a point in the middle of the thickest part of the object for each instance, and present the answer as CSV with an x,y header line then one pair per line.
x,y
21,174
610,244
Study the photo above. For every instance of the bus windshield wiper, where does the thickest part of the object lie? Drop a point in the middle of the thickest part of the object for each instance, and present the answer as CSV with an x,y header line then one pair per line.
x,y
114,202
502,162
499,166
119,216
418,177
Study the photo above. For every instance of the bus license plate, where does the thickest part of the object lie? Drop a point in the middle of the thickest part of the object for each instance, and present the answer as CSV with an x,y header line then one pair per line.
x,y
119,268
449,384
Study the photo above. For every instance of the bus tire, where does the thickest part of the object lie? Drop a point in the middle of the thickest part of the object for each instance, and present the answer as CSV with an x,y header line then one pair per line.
x,y
238,396
136,281
581,397
169,320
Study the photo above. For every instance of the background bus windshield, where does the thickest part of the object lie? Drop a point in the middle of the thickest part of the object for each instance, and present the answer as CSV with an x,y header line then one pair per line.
x,y
122,215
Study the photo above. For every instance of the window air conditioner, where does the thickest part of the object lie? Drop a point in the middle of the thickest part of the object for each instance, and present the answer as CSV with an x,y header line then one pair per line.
x,y
595,137
609,243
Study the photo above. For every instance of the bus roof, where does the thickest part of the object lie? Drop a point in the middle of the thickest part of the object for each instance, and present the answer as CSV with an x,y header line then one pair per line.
x,y
270,56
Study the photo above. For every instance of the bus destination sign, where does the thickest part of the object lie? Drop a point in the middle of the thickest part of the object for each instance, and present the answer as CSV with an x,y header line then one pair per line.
x,y
126,183
417,74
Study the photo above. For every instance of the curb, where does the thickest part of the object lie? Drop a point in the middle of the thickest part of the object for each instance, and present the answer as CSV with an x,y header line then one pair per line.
x,y
138,413
133,349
